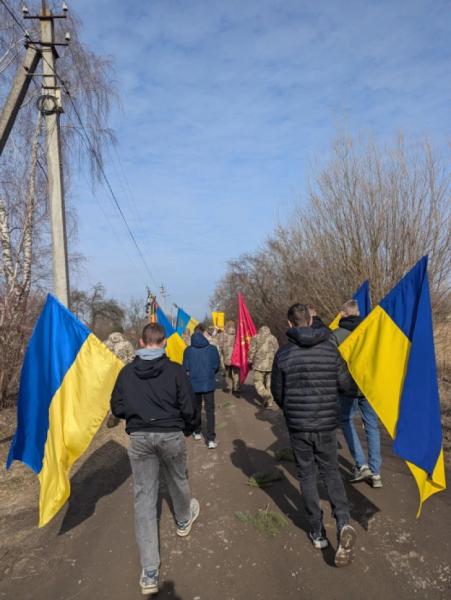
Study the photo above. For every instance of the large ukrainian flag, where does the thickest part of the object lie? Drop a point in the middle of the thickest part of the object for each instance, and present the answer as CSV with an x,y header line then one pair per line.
x,y
392,359
175,345
65,387
362,295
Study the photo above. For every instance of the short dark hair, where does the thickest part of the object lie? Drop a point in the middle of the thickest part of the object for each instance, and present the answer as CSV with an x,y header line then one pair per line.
x,y
153,334
200,327
299,315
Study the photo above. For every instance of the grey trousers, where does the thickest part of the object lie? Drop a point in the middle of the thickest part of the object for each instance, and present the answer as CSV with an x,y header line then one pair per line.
x,y
148,452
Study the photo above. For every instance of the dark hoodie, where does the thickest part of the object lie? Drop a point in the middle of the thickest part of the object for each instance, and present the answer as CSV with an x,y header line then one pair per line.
x,y
154,395
345,326
201,361
307,374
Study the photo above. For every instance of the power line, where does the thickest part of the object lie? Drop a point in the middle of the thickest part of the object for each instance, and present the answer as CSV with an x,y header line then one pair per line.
x,y
11,12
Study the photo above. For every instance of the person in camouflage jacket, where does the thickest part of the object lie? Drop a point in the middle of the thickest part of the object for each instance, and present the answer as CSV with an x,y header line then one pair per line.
x,y
232,374
123,349
262,350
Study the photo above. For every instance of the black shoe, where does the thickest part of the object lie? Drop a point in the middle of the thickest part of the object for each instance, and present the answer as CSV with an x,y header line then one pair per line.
x,y
345,550
237,394
226,390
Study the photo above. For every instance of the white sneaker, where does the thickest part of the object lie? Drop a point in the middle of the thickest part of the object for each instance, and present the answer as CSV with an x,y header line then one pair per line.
x,y
183,529
197,436
212,445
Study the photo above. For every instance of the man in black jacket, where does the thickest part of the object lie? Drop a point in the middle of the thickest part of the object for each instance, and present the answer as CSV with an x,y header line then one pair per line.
x,y
306,376
155,398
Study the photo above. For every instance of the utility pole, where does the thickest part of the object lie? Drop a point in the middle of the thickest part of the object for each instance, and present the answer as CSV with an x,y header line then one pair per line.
x,y
51,108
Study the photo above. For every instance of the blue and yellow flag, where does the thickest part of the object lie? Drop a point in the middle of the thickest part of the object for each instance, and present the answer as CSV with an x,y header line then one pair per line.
x,y
65,387
175,345
184,321
392,359
362,295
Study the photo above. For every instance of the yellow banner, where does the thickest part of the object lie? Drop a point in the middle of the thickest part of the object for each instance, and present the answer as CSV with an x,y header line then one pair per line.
x,y
218,319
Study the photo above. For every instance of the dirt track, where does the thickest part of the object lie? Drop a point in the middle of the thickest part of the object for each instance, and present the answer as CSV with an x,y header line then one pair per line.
x,y
88,552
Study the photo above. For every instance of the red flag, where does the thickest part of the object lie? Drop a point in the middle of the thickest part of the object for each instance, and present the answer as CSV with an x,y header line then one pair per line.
x,y
245,330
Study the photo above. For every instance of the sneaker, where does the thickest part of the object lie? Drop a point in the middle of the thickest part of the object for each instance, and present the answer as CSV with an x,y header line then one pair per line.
x,y
212,445
345,551
197,436
361,473
319,540
236,394
226,390
149,582
184,528
376,481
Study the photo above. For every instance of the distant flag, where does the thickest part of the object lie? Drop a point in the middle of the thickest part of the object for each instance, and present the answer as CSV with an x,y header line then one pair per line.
x,y
65,387
362,295
218,319
184,321
175,345
392,359
245,331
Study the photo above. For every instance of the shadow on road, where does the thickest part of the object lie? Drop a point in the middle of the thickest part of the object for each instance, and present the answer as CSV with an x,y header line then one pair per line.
x,y
104,471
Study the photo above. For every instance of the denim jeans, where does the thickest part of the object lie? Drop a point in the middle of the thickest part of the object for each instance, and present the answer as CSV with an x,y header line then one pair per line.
x,y
208,399
148,451
349,406
319,449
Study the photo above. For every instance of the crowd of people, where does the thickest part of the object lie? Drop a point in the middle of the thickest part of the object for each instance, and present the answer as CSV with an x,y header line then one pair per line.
x,y
162,403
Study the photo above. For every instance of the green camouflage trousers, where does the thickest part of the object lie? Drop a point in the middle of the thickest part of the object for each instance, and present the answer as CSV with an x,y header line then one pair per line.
x,y
262,384
232,378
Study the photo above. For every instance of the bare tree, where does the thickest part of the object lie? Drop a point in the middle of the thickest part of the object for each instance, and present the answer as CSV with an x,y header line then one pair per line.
x,y
372,212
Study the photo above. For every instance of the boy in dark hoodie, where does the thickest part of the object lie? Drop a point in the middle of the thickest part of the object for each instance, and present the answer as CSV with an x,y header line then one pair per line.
x,y
155,398
351,404
201,361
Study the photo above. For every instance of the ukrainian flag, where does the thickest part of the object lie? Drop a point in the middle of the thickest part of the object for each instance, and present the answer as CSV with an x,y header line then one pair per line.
x,y
175,345
362,295
184,321
65,387
392,359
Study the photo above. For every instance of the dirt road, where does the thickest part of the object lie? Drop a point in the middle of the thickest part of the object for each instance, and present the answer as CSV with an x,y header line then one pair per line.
x,y
89,552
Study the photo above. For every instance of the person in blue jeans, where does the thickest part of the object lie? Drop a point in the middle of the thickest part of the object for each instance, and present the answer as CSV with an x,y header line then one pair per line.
x,y
201,362
370,469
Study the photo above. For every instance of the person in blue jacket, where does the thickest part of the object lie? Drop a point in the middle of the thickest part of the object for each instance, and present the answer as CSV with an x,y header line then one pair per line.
x,y
201,362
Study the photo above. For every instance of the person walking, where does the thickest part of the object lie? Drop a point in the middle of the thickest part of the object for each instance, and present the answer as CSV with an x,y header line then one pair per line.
x,y
155,398
201,362
307,373
370,469
232,373
263,348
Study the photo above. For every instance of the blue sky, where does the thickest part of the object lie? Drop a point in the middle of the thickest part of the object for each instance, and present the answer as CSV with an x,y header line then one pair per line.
x,y
227,104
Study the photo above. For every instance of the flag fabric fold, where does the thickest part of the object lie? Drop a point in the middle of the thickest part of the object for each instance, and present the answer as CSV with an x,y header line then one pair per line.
x,y
362,295
175,345
245,331
65,387
392,359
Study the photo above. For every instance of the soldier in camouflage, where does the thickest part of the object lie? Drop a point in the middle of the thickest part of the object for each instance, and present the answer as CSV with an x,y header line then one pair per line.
x,y
262,350
123,349
232,374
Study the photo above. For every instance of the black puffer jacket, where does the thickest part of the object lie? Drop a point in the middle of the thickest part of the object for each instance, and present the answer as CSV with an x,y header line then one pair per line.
x,y
307,374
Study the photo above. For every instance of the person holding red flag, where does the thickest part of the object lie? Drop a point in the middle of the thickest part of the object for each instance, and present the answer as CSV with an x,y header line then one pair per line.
x,y
245,331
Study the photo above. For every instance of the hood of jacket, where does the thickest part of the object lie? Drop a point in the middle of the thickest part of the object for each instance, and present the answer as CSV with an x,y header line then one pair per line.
x,y
350,323
198,340
149,369
307,336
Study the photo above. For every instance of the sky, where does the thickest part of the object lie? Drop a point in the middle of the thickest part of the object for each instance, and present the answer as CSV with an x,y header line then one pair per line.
x,y
226,108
